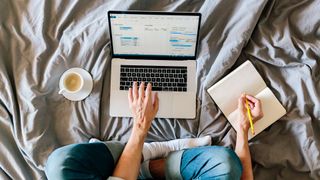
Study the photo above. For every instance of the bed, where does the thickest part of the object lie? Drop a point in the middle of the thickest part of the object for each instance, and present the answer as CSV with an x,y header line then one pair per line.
x,y
39,40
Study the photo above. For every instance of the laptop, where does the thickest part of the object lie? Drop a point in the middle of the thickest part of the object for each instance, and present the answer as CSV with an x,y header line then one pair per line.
x,y
155,47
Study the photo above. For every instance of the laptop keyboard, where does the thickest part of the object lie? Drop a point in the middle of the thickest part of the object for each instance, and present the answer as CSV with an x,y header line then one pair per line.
x,y
162,78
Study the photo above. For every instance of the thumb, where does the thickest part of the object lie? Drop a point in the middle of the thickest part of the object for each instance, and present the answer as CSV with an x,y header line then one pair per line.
x,y
241,102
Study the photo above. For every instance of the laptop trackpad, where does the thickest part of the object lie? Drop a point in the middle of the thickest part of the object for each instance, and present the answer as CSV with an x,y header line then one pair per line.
x,y
176,105
165,104
184,105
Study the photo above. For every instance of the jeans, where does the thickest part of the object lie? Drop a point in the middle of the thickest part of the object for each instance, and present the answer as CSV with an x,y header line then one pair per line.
x,y
213,162
98,160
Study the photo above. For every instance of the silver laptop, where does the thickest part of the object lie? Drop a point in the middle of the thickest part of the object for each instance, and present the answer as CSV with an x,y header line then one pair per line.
x,y
155,47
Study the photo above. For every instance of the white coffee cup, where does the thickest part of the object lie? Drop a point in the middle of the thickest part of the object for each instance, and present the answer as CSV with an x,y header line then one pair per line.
x,y
72,82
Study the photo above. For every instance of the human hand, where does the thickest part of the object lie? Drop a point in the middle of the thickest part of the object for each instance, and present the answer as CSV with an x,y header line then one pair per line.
x,y
255,108
143,106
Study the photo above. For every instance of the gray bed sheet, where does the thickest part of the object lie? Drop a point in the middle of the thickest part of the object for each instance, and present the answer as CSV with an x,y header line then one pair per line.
x,y
39,40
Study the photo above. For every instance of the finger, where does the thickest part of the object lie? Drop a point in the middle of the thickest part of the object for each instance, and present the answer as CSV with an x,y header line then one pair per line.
x,y
135,91
241,102
130,97
251,105
156,102
149,92
141,90
252,98
256,102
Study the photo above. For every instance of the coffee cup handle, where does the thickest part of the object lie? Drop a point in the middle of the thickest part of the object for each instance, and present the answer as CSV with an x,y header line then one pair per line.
x,y
61,91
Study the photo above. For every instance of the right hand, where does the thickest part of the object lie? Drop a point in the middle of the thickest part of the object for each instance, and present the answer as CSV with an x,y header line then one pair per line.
x,y
255,108
143,108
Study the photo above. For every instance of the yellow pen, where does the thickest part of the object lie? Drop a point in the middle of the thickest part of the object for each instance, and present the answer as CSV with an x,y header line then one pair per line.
x,y
250,118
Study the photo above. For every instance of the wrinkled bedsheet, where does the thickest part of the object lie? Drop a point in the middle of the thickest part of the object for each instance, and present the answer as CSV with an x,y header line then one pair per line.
x,y
39,40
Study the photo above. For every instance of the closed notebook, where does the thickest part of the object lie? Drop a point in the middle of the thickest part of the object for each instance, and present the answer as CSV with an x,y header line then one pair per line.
x,y
246,79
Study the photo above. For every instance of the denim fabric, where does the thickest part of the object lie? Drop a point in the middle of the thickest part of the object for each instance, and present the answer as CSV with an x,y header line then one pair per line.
x,y
173,163
96,161
80,161
210,162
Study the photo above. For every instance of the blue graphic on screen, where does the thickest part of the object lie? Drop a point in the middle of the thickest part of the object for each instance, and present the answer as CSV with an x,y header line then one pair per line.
x,y
182,39
163,35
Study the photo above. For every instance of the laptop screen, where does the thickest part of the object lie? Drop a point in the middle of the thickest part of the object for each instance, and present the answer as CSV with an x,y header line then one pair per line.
x,y
154,34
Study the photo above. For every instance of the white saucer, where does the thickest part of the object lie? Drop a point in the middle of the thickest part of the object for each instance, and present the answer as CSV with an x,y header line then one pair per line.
x,y
87,85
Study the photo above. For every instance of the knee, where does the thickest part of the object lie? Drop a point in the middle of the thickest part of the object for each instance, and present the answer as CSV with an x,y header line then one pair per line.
x,y
229,162
214,161
59,160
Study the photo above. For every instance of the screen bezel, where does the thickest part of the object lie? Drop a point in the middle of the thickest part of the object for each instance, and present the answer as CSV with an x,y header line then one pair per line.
x,y
154,56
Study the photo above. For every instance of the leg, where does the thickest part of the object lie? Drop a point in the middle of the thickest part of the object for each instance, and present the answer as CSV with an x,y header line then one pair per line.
x,y
83,161
157,168
155,150
210,162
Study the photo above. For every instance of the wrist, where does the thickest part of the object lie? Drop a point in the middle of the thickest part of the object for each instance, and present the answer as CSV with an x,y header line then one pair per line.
x,y
242,132
140,128
137,135
244,128
243,124
135,141
242,138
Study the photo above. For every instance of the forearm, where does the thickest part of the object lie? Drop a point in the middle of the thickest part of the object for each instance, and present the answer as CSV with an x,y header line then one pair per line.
x,y
243,152
129,162
144,108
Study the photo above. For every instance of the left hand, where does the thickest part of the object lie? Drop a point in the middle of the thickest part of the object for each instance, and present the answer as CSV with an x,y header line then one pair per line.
x,y
143,107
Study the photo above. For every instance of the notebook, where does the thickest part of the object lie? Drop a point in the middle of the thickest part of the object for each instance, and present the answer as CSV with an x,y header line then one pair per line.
x,y
246,79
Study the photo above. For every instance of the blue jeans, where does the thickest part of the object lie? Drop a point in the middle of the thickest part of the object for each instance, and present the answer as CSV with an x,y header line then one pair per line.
x,y
210,162
98,160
